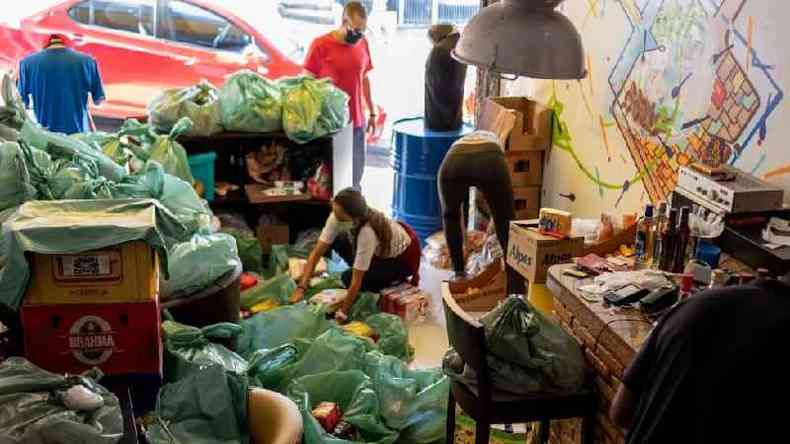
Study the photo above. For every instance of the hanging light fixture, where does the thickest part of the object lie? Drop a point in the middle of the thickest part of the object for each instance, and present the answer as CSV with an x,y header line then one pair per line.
x,y
525,38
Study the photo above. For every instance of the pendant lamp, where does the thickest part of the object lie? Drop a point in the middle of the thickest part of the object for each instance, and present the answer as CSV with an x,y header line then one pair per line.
x,y
524,38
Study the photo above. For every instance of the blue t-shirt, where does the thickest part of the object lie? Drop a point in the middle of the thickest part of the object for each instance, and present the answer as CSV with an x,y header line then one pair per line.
x,y
59,80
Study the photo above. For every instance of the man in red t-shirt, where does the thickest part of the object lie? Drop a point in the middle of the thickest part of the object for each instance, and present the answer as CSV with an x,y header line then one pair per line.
x,y
343,56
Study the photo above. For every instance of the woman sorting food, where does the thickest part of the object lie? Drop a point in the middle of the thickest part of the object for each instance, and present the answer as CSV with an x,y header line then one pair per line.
x,y
380,251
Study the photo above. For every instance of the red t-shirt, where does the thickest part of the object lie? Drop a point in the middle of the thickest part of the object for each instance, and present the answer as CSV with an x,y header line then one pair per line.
x,y
346,65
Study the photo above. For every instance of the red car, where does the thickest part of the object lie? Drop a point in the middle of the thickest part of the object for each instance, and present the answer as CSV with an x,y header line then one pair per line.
x,y
145,46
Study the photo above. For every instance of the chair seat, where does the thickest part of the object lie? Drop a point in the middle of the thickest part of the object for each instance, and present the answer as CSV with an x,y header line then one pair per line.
x,y
539,407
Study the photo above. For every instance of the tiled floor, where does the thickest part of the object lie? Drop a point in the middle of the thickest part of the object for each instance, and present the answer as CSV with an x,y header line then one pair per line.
x,y
430,343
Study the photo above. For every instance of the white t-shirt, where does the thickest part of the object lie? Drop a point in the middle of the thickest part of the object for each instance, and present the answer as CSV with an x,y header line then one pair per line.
x,y
367,242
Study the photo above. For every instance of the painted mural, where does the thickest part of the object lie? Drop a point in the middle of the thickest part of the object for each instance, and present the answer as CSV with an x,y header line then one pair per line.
x,y
670,82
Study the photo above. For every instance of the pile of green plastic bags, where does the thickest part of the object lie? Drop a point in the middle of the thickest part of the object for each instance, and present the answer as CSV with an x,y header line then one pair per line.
x,y
135,163
297,351
303,107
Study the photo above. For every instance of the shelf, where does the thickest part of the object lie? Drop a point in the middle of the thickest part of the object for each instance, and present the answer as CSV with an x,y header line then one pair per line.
x,y
239,198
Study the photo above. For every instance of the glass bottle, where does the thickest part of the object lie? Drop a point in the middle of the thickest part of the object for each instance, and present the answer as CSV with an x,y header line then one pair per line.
x,y
659,225
668,239
644,239
683,239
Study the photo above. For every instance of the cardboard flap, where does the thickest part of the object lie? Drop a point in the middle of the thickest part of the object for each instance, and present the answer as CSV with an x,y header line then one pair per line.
x,y
498,120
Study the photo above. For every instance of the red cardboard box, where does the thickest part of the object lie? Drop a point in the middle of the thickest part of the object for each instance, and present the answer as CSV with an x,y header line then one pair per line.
x,y
119,339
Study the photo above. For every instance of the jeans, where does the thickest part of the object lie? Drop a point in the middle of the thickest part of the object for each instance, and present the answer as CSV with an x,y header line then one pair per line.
x,y
488,172
358,157
383,273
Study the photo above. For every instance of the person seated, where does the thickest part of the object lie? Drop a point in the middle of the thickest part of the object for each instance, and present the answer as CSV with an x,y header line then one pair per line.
x,y
712,371
381,251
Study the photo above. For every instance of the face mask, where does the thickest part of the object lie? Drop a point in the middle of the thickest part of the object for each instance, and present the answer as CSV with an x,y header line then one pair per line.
x,y
345,226
353,36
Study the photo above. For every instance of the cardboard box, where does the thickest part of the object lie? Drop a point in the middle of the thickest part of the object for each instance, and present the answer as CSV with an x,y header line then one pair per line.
x,y
531,253
124,273
520,123
527,202
526,167
269,235
120,339
487,291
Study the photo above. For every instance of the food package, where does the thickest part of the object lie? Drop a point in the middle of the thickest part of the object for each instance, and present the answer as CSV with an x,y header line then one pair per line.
x,y
320,185
263,307
296,267
438,255
360,329
312,108
332,298
345,431
328,414
199,103
555,221
407,302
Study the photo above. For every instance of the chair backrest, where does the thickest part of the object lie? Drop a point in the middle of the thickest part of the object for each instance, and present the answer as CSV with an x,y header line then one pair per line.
x,y
467,336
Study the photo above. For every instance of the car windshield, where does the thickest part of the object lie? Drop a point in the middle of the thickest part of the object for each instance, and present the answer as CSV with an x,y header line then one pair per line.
x,y
264,17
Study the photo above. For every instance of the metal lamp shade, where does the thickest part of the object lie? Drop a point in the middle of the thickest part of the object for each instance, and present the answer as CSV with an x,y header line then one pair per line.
x,y
523,37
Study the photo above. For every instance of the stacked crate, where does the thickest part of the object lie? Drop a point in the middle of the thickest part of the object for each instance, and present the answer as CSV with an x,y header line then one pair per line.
x,y
95,309
524,128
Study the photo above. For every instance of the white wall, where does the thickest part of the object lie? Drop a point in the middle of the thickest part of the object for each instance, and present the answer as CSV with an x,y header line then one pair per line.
x,y
632,96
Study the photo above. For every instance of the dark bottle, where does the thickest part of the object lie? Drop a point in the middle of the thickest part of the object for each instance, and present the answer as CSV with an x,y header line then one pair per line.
x,y
668,237
682,241
659,226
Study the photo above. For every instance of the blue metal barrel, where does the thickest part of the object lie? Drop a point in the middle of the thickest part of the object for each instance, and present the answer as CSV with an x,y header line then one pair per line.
x,y
417,155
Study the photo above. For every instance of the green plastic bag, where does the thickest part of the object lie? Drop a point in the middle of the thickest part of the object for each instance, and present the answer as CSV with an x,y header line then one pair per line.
x,y
249,248
354,393
528,353
270,368
332,351
312,108
30,412
366,305
208,406
411,401
197,264
278,261
281,326
518,333
321,284
393,337
62,146
251,103
170,154
189,348
15,187
200,103
278,288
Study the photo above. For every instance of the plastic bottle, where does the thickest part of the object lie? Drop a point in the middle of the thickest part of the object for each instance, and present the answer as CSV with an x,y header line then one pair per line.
x,y
644,239
668,240
683,239
659,226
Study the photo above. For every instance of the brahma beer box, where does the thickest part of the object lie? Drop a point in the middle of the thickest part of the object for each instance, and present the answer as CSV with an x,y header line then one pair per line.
x,y
531,254
119,339
123,273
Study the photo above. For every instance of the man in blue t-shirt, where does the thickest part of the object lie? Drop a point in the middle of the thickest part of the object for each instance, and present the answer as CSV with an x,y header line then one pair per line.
x,y
59,80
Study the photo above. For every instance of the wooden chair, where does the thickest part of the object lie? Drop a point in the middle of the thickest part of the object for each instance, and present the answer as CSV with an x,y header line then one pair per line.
x,y
467,337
